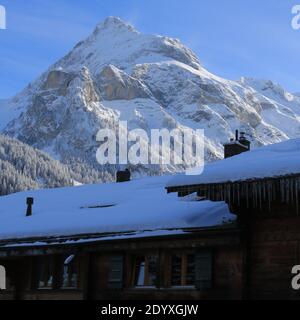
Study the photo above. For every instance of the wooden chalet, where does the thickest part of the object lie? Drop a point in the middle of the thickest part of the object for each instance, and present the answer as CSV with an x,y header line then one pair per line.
x,y
127,240
230,233
262,189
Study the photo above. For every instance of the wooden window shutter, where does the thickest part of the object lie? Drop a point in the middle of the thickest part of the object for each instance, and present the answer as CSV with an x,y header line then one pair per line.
x,y
203,270
115,272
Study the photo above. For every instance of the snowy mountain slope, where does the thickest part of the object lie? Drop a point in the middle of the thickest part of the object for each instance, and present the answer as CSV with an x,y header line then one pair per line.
x,y
278,107
24,168
7,112
150,81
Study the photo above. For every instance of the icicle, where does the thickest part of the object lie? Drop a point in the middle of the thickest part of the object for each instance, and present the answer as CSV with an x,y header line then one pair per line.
x,y
287,181
292,185
260,196
248,190
296,195
269,195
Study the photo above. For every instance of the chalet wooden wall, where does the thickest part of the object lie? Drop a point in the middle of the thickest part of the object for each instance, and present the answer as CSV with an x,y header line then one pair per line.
x,y
275,249
228,268
227,277
22,272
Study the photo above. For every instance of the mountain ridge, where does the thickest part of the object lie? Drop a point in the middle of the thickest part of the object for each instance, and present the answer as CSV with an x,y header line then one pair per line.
x,y
150,81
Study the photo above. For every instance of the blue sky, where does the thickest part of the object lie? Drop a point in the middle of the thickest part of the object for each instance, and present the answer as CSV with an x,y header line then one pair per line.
x,y
232,38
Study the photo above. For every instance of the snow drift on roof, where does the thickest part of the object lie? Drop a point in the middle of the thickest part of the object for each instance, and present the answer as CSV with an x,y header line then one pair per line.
x,y
275,160
140,205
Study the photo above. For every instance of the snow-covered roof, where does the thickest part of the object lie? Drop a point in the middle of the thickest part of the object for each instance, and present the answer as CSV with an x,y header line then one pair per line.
x,y
140,207
270,161
237,142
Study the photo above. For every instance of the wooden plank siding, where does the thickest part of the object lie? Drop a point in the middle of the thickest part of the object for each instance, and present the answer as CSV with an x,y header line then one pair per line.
x,y
274,251
94,268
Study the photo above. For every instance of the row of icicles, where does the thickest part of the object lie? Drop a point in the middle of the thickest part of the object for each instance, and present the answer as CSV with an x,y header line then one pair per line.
x,y
255,194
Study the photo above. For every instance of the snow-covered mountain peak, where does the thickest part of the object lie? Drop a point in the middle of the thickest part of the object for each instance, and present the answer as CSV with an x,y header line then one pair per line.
x,y
114,23
151,82
118,43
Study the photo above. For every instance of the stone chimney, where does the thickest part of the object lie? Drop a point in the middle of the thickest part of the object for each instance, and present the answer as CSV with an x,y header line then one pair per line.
x,y
123,176
237,146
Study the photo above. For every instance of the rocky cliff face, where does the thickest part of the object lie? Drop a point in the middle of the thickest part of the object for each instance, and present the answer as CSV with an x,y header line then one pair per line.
x,y
150,81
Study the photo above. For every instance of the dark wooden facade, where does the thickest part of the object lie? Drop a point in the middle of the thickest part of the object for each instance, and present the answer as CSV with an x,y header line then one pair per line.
x,y
268,218
95,268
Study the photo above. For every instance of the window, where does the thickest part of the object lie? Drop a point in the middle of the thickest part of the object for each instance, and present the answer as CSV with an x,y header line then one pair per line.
x,y
70,273
189,269
145,273
183,270
45,272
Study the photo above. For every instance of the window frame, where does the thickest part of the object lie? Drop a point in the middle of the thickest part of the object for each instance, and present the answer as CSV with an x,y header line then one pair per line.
x,y
40,263
56,271
75,264
134,270
184,270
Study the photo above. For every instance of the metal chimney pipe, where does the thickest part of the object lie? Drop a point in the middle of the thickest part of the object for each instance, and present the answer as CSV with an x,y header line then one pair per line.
x,y
29,202
236,135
